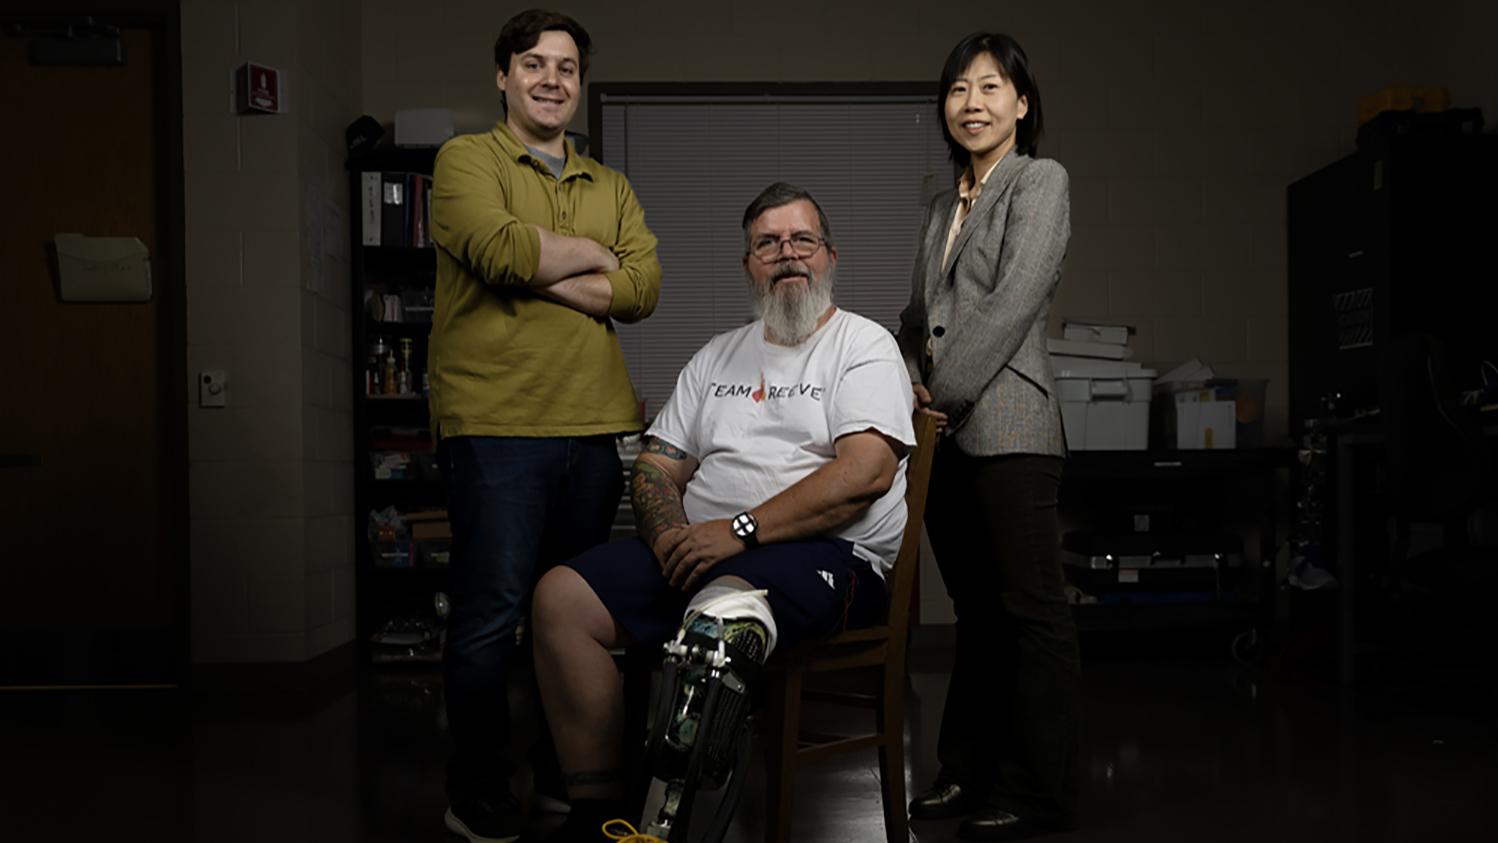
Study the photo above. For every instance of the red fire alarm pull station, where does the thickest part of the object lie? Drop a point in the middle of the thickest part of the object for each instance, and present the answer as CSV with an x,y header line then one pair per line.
x,y
258,88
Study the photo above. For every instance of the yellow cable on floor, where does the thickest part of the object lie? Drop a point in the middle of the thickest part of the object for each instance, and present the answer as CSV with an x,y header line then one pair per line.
x,y
632,837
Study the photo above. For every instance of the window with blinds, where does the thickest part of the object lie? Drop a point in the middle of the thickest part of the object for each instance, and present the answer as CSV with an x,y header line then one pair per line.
x,y
695,162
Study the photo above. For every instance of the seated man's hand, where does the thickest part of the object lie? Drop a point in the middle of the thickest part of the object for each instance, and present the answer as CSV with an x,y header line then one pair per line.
x,y
695,549
667,543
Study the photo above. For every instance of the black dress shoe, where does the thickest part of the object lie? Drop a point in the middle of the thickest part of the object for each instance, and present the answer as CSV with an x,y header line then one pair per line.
x,y
994,824
945,800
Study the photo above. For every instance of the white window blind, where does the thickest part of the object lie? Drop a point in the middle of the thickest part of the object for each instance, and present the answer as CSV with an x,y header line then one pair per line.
x,y
696,162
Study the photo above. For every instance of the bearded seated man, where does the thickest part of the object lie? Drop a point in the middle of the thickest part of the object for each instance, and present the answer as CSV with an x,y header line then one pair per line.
x,y
769,498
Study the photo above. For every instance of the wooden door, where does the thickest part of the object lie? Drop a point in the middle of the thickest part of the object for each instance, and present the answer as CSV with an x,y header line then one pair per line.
x,y
89,589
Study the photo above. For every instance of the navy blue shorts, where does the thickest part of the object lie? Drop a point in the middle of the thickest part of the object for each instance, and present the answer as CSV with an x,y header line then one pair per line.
x,y
815,587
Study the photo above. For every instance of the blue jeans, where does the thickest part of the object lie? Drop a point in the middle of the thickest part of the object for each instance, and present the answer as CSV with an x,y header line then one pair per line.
x,y
518,506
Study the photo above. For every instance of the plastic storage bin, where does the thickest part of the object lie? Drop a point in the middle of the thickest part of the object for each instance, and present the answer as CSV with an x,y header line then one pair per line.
x,y
1105,414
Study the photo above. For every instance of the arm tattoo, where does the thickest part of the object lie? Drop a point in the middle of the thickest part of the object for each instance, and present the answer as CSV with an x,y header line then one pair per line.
x,y
656,446
654,496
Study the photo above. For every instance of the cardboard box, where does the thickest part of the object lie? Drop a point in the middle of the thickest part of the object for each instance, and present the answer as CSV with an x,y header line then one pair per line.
x,y
1104,413
1235,421
432,524
431,530
1204,422
1218,414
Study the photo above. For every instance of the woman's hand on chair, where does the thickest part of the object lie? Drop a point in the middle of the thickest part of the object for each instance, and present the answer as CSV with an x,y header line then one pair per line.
x,y
923,404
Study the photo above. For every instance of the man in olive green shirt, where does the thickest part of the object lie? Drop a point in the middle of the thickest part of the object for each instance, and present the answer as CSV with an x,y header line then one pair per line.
x,y
538,249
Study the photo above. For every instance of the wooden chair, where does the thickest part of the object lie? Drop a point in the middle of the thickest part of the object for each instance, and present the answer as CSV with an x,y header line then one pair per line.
x,y
786,744
883,645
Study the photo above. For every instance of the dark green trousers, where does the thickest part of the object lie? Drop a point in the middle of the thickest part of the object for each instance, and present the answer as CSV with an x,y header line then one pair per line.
x,y
1010,726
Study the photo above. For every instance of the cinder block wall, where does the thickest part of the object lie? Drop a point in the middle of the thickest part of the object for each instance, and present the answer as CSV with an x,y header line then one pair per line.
x,y
271,474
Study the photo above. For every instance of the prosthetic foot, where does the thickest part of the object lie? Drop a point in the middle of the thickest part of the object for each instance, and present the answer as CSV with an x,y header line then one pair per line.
x,y
709,678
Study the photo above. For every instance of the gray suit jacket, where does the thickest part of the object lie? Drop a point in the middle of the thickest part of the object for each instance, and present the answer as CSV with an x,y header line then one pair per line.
x,y
984,313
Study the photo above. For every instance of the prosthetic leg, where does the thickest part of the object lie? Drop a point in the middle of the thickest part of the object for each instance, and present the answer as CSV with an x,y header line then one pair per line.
x,y
700,735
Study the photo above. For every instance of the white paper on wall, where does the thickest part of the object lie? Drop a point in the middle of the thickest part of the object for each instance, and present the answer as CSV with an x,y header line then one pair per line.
x,y
102,269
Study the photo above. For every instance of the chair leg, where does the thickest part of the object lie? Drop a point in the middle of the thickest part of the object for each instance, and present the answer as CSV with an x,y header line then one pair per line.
x,y
890,714
784,722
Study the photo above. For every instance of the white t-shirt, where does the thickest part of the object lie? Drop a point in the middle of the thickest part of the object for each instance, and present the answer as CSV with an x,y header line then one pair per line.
x,y
760,417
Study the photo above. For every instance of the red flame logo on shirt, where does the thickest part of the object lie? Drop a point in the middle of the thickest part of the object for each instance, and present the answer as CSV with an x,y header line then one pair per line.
x,y
759,394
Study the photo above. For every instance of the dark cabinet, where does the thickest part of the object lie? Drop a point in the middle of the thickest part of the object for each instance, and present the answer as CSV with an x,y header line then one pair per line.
x,y
1391,240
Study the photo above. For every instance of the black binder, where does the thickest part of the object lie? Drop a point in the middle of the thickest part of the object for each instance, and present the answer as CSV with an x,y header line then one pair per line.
x,y
393,209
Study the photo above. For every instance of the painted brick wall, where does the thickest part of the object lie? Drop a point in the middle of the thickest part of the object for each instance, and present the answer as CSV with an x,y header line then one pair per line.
x,y
271,474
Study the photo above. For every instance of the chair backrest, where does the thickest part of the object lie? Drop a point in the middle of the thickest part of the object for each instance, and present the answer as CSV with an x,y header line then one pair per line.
x,y
901,580
1438,463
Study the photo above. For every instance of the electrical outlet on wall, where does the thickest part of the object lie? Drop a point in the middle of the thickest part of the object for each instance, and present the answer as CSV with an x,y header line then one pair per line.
x,y
212,389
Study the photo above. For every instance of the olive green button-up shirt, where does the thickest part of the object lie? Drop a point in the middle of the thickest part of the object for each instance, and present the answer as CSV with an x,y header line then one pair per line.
x,y
503,360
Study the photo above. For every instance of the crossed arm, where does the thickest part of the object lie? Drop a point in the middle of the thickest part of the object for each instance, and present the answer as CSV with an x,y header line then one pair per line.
x,y
472,221
863,470
571,271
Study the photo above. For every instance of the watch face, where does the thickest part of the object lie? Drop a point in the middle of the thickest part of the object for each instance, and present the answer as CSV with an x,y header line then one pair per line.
x,y
744,525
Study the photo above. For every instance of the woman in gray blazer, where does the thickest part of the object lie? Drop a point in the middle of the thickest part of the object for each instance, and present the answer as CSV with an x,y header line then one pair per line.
x,y
973,337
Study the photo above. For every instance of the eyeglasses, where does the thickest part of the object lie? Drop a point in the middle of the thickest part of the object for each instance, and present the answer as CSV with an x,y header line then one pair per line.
x,y
803,245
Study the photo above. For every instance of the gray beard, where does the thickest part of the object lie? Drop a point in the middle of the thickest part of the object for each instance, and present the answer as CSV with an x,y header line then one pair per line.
x,y
790,318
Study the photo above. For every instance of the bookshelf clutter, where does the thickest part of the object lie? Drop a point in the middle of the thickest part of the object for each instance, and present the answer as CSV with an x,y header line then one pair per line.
x,y
403,544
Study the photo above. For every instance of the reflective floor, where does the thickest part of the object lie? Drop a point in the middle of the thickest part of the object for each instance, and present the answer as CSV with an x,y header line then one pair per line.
x,y
1178,744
